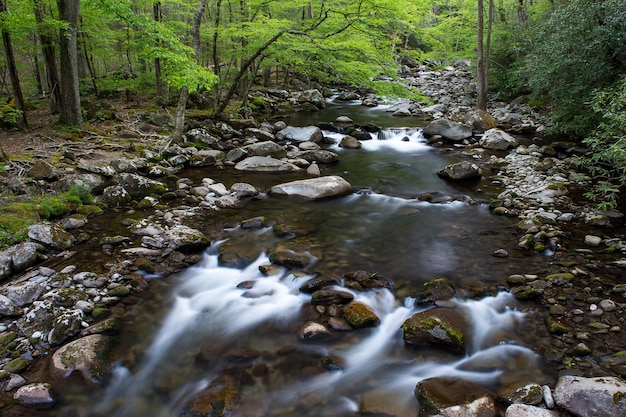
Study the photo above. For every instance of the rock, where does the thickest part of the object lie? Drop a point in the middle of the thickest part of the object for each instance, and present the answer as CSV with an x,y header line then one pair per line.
x,y
591,397
523,410
206,158
97,167
137,185
184,238
22,255
496,139
66,325
350,142
42,170
6,265
360,316
52,235
243,190
318,283
301,134
460,171
447,129
320,156
315,188
8,307
265,164
312,330
35,395
115,195
453,397
481,120
436,289
24,293
591,240
16,365
314,97
267,148
329,297
86,355
438,326
517,393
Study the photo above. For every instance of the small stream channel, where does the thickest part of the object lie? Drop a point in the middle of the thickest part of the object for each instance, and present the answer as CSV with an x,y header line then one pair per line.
x,y
200,331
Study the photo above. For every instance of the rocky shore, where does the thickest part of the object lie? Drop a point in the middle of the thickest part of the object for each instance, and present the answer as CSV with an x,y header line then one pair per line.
x,y
60,315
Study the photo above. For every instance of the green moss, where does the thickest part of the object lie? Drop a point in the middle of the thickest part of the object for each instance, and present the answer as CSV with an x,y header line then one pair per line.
x,y
457,338
555,327
621,354
100,312
539,247
16,366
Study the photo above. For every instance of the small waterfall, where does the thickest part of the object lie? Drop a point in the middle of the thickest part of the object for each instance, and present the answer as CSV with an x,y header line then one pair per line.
x,y
217,308
399,139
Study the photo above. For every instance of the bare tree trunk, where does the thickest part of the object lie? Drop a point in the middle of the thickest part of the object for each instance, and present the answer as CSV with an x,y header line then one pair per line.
x,y
38,77
49,59
481,79
15,79
156,7
70,114
179,125
88,61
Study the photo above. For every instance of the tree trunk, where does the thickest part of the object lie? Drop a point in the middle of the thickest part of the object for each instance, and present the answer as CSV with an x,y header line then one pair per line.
x,y
49,59
481,79
179,125
156,7
15,80
70,114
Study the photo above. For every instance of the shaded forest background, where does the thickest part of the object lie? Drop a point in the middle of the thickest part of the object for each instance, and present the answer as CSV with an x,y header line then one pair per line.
x,y
566,56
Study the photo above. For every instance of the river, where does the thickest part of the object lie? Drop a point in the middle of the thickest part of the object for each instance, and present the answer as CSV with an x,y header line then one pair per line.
x,y
200,340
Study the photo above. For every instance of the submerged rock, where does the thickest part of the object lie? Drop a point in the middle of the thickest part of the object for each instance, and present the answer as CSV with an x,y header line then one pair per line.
x,y
439,326
454,397
315,188
86,355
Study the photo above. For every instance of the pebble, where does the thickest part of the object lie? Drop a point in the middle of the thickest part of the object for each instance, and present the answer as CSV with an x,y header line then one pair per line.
x,y
548,399
608,305
593,240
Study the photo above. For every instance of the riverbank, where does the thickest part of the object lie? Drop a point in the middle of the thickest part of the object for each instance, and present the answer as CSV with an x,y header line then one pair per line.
x,y
57,307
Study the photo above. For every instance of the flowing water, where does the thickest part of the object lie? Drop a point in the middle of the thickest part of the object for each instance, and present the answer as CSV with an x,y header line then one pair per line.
x,y
205,333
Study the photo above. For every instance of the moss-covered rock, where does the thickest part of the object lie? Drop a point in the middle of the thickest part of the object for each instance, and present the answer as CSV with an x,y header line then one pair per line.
x,y
439,326
359,315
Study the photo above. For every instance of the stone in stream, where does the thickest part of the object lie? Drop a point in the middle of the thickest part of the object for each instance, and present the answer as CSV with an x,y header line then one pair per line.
x,y
523,410
52,235
498,140
87,355
301,134
37,395
591,397
439,326
265,164
314,188
454,397
447,129
460,171
137,185
360,316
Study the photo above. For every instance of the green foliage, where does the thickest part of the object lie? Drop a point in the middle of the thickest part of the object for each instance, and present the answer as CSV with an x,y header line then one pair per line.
x,y
577,47
15,218
9,116
606,161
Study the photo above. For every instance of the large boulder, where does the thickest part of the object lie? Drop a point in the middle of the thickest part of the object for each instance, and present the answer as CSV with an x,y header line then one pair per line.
x,y
206,157
591,397
267,148
315,188
439,326
460,171
52,235
184,238
42,170
453,397
497,140
137,185
86,355
301,134
265,164
314,97
453,131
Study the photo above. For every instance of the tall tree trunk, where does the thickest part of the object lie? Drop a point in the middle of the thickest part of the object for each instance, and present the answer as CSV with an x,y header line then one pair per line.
x,y
481,79
15,79
179,125
49,59
38,78
158,16
89,61
70,114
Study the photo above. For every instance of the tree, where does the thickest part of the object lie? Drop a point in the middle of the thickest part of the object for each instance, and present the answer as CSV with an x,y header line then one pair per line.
x,y
47,48
71,113
10,58
483,50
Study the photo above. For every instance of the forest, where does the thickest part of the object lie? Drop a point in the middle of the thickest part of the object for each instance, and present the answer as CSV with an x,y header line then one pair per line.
x,y
567,57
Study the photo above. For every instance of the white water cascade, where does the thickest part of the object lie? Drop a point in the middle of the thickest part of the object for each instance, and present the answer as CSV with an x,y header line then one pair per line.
x,y
218,309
